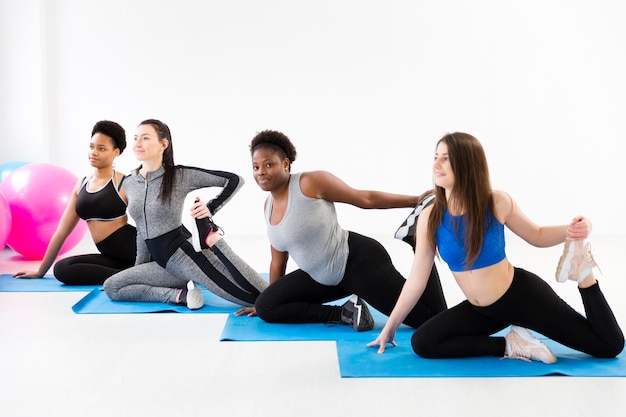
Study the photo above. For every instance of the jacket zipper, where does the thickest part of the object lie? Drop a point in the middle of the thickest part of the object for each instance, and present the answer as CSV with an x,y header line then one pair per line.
x,y
145,200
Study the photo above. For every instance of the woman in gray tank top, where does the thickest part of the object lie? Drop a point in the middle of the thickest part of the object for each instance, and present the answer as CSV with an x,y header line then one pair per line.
x,y
334,263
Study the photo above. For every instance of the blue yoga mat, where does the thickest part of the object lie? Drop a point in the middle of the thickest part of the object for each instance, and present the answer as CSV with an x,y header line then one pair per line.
x,y
97,302
254,329
356,360
46,284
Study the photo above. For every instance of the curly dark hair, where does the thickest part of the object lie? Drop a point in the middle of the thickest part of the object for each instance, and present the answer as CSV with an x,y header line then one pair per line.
x,y
277,141
112,130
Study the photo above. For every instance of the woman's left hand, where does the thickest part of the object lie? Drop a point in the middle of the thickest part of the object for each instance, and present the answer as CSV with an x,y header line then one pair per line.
x,y
385,337
199,210
423,195
579,228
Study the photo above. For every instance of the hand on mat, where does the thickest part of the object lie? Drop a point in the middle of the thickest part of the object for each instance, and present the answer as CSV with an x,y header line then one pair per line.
x,y
246,311
27,274
386,336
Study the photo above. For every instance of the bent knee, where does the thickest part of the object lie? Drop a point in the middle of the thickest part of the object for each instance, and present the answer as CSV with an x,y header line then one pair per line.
x,y
265,309
613,350
60,272
421,346
111,289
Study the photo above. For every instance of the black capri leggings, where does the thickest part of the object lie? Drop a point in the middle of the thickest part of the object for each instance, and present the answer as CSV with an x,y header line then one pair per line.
x,y
117,252
464,330
298,298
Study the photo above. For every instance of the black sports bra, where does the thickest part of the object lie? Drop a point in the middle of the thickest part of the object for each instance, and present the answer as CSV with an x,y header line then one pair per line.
x,y
105,204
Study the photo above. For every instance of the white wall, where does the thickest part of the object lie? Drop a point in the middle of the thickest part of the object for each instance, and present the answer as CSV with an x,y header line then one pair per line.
x,y
23,135
363,88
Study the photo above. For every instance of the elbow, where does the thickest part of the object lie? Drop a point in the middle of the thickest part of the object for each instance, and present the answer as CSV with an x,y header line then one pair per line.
x,y
370,201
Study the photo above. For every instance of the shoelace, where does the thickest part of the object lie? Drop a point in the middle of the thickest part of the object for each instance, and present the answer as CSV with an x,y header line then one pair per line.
x,y
519,352
589,257
215,228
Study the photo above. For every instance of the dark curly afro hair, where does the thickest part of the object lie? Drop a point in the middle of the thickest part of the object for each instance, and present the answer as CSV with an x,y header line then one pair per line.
x,y
277,141
112,130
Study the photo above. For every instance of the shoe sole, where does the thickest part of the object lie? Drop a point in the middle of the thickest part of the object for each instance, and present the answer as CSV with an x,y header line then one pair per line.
x,y
190,287
404,229
361,308
561,265
358,316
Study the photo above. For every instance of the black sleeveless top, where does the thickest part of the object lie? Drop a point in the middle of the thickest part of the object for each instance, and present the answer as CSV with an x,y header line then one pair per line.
x,y
104,204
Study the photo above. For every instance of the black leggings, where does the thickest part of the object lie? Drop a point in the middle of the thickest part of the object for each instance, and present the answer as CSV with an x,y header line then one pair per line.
x,y
298,298
464,330
117,252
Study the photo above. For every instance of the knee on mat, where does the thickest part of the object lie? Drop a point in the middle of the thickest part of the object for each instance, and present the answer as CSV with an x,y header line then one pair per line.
x,y
613,350
264,309
421,346
61,272
110,289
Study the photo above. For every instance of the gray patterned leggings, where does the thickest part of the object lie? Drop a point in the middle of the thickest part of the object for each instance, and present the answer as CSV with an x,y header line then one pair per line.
x,y
219,269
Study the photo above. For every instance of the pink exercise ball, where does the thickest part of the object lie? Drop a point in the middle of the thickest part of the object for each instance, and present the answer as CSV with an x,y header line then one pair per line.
x,y
5,220
37,194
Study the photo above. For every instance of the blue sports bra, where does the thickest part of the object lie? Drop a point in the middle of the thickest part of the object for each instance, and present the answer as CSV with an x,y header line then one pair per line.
x,y
104,204
450,244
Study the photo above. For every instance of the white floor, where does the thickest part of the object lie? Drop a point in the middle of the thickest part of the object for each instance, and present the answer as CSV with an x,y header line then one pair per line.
x,y
57,363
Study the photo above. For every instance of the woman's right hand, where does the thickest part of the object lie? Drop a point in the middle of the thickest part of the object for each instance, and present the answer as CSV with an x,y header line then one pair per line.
x,y
385,336
246,311
27,274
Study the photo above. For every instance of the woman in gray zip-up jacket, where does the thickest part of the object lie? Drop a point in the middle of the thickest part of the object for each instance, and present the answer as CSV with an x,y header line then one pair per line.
x,y
167,263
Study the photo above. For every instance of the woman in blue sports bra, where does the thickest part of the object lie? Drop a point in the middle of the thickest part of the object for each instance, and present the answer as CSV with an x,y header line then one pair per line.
x,y
466,225
100,201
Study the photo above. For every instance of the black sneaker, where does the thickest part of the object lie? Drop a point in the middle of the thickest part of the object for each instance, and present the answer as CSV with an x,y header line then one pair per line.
x,y
406,231
206,228
356,314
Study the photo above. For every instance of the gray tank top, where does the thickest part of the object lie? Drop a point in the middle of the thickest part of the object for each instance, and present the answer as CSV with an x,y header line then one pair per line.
x,y
309,231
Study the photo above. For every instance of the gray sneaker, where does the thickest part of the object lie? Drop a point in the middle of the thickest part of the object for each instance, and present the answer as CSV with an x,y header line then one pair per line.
x,y
356,314
195,298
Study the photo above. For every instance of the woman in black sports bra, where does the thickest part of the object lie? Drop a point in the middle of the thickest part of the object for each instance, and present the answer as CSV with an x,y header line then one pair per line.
x,y
101,201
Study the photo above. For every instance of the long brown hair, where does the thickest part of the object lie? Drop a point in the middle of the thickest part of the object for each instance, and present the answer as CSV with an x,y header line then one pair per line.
x,y
471,193
163,132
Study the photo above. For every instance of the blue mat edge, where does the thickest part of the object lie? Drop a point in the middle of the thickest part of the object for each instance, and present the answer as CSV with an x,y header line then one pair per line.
x,y
48,283
130,307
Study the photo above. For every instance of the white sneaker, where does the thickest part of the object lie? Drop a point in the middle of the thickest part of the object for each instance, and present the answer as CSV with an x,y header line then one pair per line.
x,y
576,262
521,344
195,299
